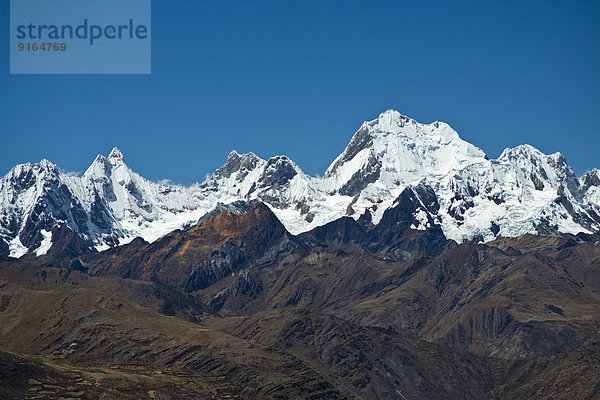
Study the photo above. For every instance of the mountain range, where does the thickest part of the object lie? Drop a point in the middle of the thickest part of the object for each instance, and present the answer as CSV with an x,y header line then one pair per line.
x,y
453,186
236,306
414,268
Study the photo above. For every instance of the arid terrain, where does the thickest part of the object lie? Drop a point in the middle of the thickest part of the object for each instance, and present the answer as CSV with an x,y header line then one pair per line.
x,y
237,307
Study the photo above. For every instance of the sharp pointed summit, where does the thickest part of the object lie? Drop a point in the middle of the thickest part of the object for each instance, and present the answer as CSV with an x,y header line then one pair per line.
x,y
115,155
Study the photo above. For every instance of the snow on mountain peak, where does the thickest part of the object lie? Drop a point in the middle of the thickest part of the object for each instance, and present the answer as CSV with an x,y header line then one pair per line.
x,y
393,122
523,191
526,153
47,165
400,151
115,155
591,178
233,154
238,162
590,183
28,175
103,166
542,170
100,167
389,121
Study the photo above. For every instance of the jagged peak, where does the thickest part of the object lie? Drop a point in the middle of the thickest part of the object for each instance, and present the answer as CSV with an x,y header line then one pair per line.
x,y
392,121
43,166
520,150
591,178
115,155
593,172
47,164
279,160
278,171
526,150
236,161
398,140
100,158
392,115
100,166
233,154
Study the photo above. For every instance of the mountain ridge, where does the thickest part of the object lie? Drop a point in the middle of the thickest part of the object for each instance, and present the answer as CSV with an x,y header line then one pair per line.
x,y
522,191
364,310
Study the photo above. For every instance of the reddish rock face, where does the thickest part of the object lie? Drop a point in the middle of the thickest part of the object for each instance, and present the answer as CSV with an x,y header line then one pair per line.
x,y
199,256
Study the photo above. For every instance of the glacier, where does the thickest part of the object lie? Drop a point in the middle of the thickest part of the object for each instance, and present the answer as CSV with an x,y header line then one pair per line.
x,y
522,191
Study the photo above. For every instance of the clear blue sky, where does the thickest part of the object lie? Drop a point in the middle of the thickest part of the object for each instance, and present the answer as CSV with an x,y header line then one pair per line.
x,y
299,77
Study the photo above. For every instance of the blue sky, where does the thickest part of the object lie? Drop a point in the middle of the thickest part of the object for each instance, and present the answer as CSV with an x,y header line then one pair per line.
x,y
299,77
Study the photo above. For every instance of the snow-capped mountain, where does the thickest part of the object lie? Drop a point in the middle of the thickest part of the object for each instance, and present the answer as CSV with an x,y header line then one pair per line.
x,y
140,207
523,191
392,152
34,197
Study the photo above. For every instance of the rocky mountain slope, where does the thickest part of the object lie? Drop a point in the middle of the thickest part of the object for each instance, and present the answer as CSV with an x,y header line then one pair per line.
x,y
532,296
237,307
477,199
